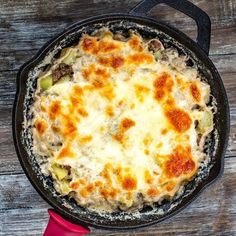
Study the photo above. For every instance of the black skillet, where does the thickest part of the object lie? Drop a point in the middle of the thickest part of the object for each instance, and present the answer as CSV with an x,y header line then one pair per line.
x,y
148,28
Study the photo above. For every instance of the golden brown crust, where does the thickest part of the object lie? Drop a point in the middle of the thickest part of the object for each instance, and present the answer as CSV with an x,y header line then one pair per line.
x,y
123,123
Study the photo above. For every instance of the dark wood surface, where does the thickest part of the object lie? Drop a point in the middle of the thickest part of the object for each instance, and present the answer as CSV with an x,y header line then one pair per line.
x,y
25,25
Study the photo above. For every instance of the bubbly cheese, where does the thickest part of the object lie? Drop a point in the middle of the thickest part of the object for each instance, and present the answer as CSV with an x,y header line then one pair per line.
x,y
120,132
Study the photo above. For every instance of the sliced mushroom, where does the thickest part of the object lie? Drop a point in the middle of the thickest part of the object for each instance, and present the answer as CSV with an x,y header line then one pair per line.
x,y
154,45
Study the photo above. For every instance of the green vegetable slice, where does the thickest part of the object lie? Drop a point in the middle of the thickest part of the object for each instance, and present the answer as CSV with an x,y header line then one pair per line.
x,y
64,52
206,122
69,57
65,187
157,55
46,82
63,79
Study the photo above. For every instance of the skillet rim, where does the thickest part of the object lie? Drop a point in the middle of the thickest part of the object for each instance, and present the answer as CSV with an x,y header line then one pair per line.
x,y
25,68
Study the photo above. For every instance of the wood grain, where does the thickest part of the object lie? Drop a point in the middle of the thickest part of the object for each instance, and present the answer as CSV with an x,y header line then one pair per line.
x,y
25,25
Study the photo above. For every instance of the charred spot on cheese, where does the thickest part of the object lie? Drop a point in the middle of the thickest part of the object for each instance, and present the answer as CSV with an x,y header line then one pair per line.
x,y
129,182
55,128
75,185
82,112
113,193
121,103
135,43
40,125
97,76
69,127
54,110
107,46
113,61
129,196
153,192
109,193
78,90
102,73
98,183
180,162
104,192
180,82
148,177
106,173
109,111
89,44
195,91
97,83
179,119
164,131
162,85
118,174
107,92
76,96
126,124
84,192
117,62
170,101
65,152
88,71
90,188
169,186
140,58
120,137
82,181
75,101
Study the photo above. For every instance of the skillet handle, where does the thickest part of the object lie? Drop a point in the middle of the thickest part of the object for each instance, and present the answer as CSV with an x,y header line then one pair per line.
x,y
57,226
199,16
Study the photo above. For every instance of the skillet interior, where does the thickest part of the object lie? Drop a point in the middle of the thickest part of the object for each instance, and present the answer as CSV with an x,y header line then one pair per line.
x,y
148,28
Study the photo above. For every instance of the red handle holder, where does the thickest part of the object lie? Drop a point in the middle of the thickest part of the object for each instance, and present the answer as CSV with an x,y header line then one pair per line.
x,y
58,226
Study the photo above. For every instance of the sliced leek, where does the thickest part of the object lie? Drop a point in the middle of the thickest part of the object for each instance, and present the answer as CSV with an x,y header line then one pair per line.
x,y
205,122
70,56
157,55
46,82
65,188
63,79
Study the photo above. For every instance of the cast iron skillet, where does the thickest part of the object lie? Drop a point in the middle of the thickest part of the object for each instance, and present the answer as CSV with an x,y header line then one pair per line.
x,y
148,28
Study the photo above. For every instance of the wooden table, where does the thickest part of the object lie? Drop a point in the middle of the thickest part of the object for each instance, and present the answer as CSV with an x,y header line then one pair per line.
x,y
25,25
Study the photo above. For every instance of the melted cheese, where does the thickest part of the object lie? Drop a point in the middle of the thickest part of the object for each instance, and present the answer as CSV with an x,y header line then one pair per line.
x,y
123,125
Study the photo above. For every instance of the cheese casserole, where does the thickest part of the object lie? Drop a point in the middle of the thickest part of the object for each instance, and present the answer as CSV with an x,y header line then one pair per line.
x,y
120,122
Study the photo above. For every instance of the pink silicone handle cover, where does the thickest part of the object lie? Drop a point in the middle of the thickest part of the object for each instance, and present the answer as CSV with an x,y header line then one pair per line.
x,y
57,226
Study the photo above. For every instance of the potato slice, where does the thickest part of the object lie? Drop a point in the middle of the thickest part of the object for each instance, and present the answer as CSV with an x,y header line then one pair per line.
x,y
59,171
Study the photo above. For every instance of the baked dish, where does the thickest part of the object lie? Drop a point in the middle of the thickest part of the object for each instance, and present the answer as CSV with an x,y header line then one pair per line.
x,y
120,122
